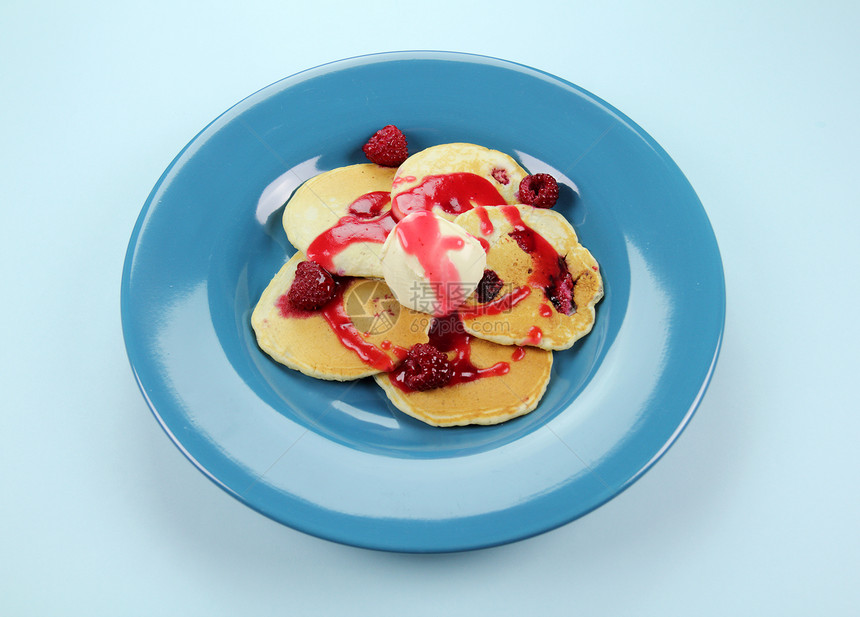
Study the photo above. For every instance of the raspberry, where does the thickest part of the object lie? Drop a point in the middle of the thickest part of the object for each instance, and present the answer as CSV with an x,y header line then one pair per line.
x,y
425,368
501,176
312,288
387,147
489,286
560,289
539,190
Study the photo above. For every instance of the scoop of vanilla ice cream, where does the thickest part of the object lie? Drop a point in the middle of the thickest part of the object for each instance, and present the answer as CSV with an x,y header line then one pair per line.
x,y
431,264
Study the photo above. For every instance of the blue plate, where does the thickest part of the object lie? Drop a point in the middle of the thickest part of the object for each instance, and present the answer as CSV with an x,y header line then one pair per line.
x,y
336,459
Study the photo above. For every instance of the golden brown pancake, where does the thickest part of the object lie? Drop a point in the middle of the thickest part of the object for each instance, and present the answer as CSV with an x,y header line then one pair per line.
x,y
374,322
488,400
324,201
498,175
533,319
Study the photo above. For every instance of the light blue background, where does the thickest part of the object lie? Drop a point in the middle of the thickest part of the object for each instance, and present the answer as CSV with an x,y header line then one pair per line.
x,y
753,512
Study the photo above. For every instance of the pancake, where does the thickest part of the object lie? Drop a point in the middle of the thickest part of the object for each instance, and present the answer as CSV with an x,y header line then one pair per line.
x,y
340,218
452,178
524,313
369,319
488,400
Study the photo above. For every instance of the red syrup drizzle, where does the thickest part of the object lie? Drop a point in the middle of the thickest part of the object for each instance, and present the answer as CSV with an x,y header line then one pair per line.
x,y
534,336
548,267
365,223
397,350
545,310
519,354
499,305
370,204
452,193
486,225
338,320
448,334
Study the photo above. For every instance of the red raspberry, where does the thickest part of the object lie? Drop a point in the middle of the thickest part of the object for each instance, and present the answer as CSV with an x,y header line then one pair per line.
x,y
489,286
387,147
312,288
539,190
501,176
560,289
425,368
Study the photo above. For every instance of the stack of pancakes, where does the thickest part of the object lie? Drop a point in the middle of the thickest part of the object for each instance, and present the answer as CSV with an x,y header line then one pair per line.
x,y
366,332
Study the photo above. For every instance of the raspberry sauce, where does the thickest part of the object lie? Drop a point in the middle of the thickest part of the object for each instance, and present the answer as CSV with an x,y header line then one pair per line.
x,y
370,204
365,223
452,193
519,354
397,350
545,310
534,336
338,320
499,305
545,256
485,222
549,267
448,334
